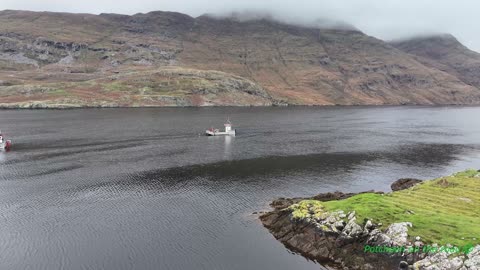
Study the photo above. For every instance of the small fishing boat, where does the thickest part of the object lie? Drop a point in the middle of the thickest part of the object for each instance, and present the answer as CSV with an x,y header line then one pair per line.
x,y
4,144
216,132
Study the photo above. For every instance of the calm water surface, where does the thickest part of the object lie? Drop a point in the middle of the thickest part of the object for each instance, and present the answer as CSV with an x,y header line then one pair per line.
x,y
142,189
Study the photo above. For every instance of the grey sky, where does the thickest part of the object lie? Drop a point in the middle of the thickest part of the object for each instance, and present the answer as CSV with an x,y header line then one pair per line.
x,y
385,19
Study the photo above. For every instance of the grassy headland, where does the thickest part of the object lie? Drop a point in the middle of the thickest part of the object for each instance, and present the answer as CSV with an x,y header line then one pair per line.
x,y
444,210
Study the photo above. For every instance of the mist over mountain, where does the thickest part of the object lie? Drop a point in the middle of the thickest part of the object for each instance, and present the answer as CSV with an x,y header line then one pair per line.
x,y
159,58
255,15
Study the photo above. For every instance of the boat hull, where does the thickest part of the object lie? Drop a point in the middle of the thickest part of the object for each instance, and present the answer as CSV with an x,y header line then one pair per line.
x,y
6,145
220,133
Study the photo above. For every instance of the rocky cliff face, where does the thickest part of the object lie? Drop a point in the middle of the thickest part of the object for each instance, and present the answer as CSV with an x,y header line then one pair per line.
x,y
284,63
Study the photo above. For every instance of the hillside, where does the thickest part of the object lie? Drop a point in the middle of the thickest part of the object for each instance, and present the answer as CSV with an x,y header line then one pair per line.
x,y
446,53
63,60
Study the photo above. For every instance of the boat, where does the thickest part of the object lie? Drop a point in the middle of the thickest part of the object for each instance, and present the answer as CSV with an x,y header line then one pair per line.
x,y
5,144
216,132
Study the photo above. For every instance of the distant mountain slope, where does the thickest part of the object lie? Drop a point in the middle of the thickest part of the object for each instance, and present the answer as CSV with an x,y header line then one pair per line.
x,y
264,62
446,53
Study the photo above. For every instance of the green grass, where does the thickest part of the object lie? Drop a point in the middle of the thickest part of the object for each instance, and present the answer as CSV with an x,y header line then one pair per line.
x,y
444,210
58,91
114,87
153,83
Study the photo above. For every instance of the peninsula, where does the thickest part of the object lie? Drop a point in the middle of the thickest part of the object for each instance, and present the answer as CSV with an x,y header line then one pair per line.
x,y
428,225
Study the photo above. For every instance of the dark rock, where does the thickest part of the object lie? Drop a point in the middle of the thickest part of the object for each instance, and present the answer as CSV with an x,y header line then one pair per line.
x,y
444,183
403,265
337,195
404,183
344,240
281,203
410,258
330,196
339,225
369,225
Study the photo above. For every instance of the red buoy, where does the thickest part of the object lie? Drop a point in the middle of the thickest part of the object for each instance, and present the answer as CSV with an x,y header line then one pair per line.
x,y
8,144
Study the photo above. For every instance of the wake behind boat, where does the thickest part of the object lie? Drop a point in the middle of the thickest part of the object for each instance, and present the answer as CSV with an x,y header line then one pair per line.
x,y
4,144
216,132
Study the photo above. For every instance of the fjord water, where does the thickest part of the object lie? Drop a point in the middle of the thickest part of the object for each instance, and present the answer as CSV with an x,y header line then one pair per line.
x,y
144,189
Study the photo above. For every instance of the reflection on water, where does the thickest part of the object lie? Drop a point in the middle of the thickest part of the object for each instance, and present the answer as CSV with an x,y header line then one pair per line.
x,y
139,189
228,146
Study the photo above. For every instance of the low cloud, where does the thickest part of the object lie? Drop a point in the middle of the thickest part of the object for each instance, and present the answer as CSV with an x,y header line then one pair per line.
x,y
387,20
253,15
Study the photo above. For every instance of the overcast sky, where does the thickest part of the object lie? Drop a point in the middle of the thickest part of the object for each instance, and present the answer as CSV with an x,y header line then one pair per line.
x,y
385,19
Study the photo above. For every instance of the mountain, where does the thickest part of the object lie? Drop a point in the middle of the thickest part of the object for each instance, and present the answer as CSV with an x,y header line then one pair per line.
x,y
171,59
446,53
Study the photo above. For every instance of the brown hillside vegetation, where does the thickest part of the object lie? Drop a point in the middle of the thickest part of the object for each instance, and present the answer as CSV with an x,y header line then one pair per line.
x,y
62,60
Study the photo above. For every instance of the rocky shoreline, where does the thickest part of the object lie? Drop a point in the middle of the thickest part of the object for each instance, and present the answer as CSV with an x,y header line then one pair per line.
x,y
46,106
340,240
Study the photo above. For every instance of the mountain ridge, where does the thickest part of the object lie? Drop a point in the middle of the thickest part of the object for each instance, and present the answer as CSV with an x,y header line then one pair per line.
x,y
74,54
446,53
